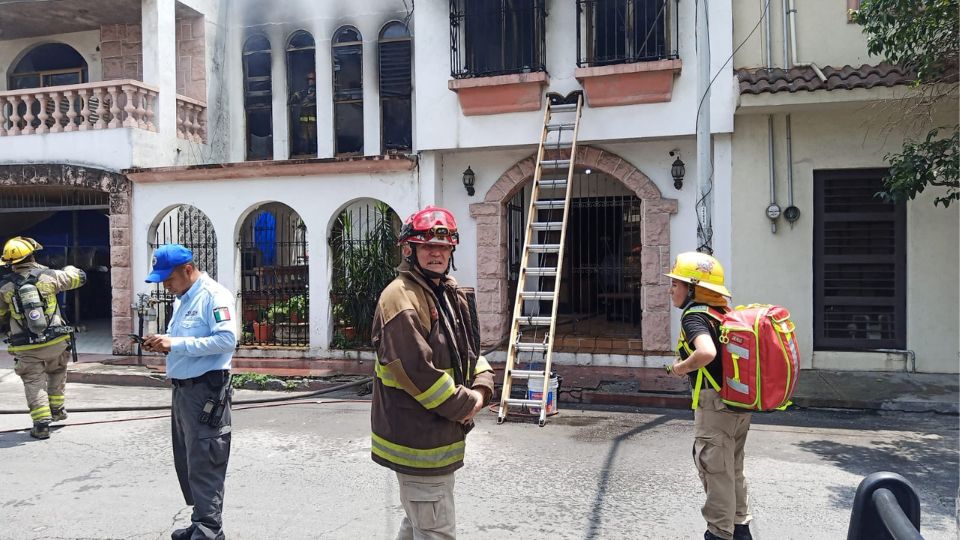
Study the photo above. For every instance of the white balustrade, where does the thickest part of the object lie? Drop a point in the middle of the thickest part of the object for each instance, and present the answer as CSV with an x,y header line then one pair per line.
x,y
191,119
81,107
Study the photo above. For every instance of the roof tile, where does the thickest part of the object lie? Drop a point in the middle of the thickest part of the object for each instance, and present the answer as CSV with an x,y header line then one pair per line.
x,y
798,79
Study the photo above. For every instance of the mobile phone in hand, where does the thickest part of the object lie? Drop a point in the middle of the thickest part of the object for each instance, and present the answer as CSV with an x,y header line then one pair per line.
x,y
135,338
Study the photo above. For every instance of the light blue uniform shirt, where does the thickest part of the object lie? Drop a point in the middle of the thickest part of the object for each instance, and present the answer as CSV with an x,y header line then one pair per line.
x,y
202,330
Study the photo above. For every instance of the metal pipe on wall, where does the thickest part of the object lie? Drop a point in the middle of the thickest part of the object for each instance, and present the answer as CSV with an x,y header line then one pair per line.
x,y
792,14
786,33
791,213
773,210
704,207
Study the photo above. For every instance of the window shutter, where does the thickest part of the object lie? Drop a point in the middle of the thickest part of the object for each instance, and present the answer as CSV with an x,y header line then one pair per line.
x,y
395,78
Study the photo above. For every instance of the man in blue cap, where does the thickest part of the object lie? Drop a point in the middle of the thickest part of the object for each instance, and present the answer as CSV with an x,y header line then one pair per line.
x,y
199,343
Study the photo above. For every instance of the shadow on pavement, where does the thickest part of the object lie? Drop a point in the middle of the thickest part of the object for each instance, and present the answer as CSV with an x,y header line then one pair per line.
x,y
596,514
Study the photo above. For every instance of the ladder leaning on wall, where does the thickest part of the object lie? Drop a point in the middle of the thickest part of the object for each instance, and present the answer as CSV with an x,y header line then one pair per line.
x,y
542,257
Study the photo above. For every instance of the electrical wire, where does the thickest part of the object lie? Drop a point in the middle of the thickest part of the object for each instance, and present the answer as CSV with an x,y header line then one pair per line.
x,y
707,235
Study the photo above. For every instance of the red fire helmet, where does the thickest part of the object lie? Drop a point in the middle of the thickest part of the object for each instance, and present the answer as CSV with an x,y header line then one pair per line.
x,y
432,225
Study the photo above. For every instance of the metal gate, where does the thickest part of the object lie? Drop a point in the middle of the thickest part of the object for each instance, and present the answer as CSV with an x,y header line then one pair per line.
x,y
600,279
190,227
363,244
274,278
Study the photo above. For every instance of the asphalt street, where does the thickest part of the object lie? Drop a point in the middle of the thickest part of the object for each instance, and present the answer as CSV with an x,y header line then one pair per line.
x,y
304,471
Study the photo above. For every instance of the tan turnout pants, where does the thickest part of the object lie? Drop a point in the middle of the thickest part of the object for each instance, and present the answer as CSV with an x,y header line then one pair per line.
x,y
428,502
44,375
719,437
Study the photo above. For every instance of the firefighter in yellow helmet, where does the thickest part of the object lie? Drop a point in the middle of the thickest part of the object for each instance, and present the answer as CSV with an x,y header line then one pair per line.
x,y
37,334
697,288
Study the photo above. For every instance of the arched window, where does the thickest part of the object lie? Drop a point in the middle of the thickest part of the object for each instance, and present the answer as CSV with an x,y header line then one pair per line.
x,y
302,94
51,64
258,97
396,121
348,90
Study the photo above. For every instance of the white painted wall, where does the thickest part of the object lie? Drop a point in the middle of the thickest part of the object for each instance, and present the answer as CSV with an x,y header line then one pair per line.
x,y
777,268
228,202
823,34
86,43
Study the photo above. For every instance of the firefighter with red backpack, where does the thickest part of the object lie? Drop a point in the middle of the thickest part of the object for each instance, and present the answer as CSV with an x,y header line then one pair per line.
x,y
38,335
720,432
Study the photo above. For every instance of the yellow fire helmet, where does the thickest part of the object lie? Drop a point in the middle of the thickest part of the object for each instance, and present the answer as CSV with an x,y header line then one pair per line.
x,y
699,269
19,248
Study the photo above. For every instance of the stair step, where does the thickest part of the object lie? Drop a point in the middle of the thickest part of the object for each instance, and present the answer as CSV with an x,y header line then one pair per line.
x,y
549,204
555,164
553,183
534,321
544,248
530,347
544,271
536,295
564,107
547,225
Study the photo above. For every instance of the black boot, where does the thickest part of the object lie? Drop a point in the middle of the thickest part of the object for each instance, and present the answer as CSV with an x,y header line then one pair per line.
x,y
183,534
707,535
40,430
58,414
742,532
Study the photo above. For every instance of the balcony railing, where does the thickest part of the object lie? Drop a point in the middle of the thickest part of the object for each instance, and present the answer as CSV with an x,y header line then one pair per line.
x,y
78,107
626,31
497,37
191,119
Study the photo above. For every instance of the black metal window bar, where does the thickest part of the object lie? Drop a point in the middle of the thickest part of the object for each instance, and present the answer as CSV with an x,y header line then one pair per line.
x,y
363,245
302,94
601,276
859,263
274,274
626,31
347,50
190,227
497,37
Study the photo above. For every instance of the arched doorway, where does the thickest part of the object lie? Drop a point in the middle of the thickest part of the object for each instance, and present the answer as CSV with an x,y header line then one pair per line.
x,y
50,64
274,278
365,255
189,226
619,278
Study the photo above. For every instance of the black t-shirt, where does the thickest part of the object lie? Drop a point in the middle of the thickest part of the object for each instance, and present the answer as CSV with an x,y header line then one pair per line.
x,y
695,324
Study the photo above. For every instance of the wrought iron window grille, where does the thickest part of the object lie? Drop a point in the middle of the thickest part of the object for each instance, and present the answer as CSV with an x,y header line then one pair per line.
x,y
626,31
499,37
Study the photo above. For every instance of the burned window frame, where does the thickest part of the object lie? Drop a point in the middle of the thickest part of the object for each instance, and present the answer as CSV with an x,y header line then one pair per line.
x,y
266,107
297,147
340,44
395,100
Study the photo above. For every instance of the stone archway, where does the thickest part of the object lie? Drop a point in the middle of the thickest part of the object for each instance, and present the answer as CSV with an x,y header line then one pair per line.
x,y
119,189
492,301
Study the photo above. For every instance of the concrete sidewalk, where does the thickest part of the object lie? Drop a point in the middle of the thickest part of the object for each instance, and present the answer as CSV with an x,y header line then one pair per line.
x,y
866,390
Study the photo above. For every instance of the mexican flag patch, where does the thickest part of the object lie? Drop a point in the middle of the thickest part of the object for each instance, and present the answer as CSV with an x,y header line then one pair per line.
x,y
221,314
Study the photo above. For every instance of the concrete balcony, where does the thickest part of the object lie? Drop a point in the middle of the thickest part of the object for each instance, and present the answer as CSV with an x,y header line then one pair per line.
x,y
110,124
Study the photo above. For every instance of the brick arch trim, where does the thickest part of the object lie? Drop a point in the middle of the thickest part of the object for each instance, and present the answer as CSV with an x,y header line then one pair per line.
x,y
119,189
492,301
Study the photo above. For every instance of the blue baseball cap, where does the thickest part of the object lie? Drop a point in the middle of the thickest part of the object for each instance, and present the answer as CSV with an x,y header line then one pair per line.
x,y
165,259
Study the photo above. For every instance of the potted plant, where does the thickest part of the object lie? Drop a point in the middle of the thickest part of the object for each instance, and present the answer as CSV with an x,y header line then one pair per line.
x,y
263,327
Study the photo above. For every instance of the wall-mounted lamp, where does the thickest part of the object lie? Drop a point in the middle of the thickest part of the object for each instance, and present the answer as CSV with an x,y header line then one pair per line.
x,y
468,179
677,170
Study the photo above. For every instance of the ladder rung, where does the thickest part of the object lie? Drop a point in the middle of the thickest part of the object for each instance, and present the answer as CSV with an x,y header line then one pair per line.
x,y
544,248
549,204
555,164
534,402
534,321
542,271
547,225
559,127
530,347
525,373
536,295
553,183
564,107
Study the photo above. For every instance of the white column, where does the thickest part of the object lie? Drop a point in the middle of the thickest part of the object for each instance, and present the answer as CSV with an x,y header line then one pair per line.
x,y
321,325
278,74
429,181
324,61
158,20
371,94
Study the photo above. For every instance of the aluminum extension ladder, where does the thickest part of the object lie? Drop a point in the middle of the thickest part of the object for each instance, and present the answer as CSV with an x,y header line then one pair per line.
x,y
542,258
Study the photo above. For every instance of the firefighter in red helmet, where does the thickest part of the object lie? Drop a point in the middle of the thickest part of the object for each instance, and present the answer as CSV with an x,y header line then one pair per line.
x,y
431,379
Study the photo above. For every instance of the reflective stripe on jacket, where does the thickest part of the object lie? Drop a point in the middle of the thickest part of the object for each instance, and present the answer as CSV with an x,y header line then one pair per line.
x,y
417,396
50,282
